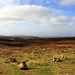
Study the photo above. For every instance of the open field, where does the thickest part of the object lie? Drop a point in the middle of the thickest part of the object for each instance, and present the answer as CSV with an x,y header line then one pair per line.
x,y
37,52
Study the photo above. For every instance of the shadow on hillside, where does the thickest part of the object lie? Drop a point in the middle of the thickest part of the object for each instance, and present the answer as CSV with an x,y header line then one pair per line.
x,y
29,68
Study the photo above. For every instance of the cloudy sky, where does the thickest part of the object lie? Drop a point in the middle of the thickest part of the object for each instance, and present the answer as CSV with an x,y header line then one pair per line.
x,y
37,17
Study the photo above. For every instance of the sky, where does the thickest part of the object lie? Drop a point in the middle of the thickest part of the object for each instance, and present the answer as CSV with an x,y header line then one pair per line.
x,y
37,17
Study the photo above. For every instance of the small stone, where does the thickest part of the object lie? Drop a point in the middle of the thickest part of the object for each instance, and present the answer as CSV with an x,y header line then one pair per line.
x,y
64,57
13,60
55,59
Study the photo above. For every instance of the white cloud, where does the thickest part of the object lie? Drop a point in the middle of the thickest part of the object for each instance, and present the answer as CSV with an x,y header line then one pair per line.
x,y
31,14
58,21
47,21
73,18
63,2
6,2
61,19
26,14
67,2
20,2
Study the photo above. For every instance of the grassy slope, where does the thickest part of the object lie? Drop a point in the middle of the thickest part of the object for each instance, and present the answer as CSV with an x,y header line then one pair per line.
x,y
38,62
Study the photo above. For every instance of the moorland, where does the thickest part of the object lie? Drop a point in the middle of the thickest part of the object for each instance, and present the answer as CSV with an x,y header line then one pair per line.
x,y
37,52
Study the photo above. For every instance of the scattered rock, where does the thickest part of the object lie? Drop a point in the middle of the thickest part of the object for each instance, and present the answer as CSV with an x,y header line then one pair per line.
x,y
23,66
69,46
58,60
34,52
13,60
55,60
52,44
64,57
73,53
51,60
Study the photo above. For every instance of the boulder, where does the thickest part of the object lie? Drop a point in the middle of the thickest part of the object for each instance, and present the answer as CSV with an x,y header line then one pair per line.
x,y
54,59
23,66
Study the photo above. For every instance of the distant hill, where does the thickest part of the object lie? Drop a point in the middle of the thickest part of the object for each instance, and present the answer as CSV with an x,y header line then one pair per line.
x,y
13,38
